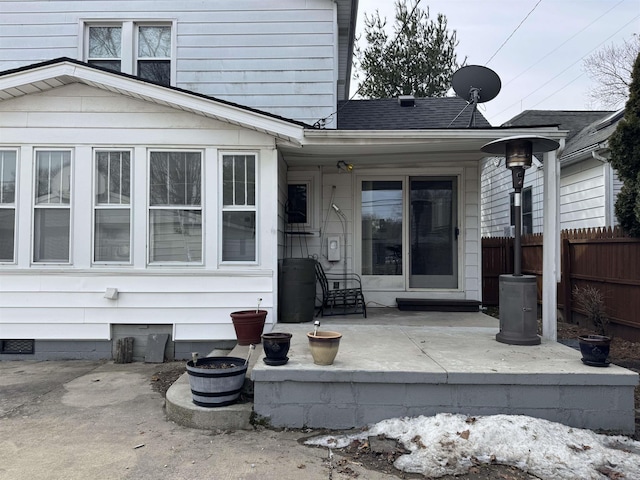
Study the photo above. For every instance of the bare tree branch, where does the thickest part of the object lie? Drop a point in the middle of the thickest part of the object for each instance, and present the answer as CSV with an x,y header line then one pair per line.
x,y
610,69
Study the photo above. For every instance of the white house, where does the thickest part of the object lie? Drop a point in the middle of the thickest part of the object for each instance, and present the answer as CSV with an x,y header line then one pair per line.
x,y
150,153
588,183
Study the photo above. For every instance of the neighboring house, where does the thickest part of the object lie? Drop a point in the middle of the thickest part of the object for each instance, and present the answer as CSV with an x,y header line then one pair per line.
x,y
162,197
588,183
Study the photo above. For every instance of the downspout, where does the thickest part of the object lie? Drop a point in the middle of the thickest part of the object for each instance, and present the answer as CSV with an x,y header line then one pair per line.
x,y
608,185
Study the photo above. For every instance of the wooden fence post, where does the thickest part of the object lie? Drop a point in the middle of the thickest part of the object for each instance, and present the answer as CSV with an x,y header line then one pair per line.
x,y
565,278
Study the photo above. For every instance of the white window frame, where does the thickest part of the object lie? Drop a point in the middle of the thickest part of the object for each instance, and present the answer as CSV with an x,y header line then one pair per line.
x,y
239,208
59,206
11,206
200,208
111,206
129,48
312,180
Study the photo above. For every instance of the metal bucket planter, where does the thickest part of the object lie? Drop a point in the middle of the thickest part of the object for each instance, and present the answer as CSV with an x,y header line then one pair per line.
x,y
595,350
276,346
249,325
324,346
216,381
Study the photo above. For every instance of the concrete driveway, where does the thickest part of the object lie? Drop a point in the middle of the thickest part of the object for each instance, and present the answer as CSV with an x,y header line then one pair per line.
x,y
91,420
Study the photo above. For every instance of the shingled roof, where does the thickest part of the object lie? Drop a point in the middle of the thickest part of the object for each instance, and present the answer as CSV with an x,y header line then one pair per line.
x,y
424,114
572,120
594,134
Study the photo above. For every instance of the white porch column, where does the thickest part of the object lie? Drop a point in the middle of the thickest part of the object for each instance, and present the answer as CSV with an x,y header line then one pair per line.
x,y
551,247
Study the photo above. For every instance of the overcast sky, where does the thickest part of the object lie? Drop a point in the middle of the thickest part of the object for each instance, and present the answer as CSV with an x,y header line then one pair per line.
x,y
540,66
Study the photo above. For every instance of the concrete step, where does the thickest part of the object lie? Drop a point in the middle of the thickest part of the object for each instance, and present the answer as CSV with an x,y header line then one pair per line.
x,y
181,409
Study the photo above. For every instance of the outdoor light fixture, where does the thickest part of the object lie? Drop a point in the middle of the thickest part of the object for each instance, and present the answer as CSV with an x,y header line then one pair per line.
x,y
342,165
518,293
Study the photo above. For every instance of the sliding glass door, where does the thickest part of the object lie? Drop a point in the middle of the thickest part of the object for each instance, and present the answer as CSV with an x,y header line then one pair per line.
x,y
433,232
409,233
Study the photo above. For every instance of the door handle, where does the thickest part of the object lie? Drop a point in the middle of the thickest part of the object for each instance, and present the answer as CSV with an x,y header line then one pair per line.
x,y
457,232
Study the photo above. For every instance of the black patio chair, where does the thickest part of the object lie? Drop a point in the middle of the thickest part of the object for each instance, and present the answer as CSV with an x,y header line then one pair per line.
x,y
345,300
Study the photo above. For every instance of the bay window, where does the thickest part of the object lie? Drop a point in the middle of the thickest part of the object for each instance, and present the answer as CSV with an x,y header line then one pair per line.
x,y
239,208
112,205
7,205
52,206
175,207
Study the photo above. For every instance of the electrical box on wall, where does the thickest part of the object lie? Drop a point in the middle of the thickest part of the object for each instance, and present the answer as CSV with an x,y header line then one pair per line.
x,y
333,249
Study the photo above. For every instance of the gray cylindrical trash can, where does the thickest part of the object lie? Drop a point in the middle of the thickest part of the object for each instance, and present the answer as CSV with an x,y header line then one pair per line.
x,y
518,310
297,290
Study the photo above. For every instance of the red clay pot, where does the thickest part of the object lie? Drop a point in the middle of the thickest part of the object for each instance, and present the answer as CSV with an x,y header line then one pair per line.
x,y
249,325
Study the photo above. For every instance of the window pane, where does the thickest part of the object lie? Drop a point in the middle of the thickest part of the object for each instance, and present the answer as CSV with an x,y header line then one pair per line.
x,y
105,42
251,179
297,203
175,178
53,182
227,180
239,171
112,236
176,236
113,178
238,236
382,228
154,42
239,180
7,234
51,235
7,177
114,65
158,71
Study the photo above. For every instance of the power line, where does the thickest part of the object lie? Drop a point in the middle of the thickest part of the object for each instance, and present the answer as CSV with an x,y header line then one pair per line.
x,y
512,33
562,44
569,66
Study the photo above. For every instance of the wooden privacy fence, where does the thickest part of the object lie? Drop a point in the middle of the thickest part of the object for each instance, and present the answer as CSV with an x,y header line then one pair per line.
x,y
602,258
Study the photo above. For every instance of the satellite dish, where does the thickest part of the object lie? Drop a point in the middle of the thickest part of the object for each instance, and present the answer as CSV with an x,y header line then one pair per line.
x,y
476,84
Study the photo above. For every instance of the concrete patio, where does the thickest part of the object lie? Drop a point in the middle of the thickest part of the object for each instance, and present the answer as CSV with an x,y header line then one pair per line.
x,y
395,364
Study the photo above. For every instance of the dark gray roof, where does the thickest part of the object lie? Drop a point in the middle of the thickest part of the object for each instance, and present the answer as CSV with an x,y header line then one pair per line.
x,y
388,114
572,120
593,134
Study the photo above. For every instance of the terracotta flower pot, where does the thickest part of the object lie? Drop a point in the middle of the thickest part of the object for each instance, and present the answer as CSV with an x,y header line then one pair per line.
x,y
595,350
324,346
248,325
276,346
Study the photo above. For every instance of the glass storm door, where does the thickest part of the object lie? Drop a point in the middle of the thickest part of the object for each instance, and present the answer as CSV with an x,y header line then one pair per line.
x,y
433,233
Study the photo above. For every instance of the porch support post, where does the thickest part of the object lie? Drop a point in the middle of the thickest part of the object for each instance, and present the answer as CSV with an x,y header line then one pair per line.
x,y
551,245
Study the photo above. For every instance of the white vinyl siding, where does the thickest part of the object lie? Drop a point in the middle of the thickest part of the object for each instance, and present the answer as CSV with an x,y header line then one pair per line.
x,y
8,173
582,195
274,56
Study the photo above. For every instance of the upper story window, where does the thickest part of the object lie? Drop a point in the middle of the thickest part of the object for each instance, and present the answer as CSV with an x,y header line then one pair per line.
x,y
112,215
175,207
52,206
7,205
140,49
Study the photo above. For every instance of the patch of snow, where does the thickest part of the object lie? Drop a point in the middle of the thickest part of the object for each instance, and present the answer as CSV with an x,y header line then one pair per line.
x,y
448,444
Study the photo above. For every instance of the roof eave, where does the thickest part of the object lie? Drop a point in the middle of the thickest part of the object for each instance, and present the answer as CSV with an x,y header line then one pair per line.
x,y
48,76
